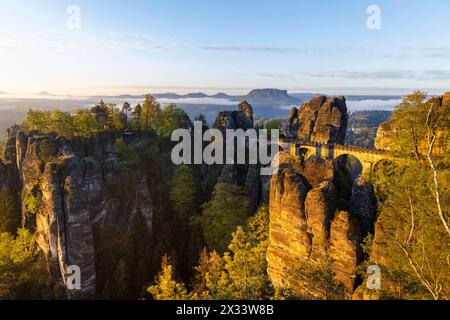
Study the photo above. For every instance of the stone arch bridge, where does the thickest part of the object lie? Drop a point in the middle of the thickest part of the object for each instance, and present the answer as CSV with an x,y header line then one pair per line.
x,y
366,156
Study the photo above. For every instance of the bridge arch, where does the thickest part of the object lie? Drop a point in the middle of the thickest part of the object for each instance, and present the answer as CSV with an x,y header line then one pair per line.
x,y
350,165
368,158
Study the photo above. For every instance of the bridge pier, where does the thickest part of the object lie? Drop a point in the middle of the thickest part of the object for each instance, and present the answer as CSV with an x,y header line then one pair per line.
x,y
367,157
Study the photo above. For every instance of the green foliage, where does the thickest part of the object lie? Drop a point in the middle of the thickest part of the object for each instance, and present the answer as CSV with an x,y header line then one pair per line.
x,y
100,112
135,121
273,125
117,288
183,193
126,108
32,200
117,119
85,124
151,114
9,215
2,148
409,219
412,118
108,117
37,120
320,279
172,118
62,124
111,247
241,273
384,176
23,273
166,288
227,209
124,151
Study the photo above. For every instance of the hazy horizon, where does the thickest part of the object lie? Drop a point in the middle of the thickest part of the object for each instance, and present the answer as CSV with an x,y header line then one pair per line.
x,y
110,48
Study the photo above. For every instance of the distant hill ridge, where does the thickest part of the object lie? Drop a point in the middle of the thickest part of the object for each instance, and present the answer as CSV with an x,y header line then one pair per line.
x,y
257,97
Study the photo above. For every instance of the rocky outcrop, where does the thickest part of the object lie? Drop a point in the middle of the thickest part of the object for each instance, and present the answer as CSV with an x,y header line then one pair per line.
x,y
67,190
363,205
240,119
289,237
345,250
385,134
387,130
307,231
253,186
320,206
63,224
322,120
270,98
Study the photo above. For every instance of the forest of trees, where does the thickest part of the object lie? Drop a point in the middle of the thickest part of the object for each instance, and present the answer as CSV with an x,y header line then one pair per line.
x,y
208,245
85,123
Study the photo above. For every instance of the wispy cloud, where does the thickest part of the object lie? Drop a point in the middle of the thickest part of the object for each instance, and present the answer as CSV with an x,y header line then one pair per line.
x,y
430,75
272,75
52,40
251,49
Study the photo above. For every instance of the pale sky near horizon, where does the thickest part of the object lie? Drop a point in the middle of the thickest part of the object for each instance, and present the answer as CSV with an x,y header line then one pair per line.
x,y
232,46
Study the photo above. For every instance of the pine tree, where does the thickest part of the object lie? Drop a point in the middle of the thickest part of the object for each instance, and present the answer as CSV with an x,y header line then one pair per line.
x,y
151,114
166,288
227,209
183,193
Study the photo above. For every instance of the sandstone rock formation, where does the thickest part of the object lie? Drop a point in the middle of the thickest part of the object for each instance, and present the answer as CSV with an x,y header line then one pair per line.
x,y
385,134
69,184
240,119
317,220
386,131
289,237
321,120
306,230
345,251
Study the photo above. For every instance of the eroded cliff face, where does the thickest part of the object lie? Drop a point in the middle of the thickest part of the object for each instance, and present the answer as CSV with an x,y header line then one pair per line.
x,y
242,119
66,192
387,130
321,120
307,230
316,221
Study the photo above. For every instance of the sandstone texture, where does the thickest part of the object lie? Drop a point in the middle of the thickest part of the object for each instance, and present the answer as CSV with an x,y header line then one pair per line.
x,y
307,229
321,120
70,184
317,221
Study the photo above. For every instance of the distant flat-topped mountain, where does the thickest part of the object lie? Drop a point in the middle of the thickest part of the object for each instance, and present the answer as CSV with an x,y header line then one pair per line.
x,y
270,97
44,93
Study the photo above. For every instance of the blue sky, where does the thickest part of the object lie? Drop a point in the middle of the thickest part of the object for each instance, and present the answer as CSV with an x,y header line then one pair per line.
x,y
232,46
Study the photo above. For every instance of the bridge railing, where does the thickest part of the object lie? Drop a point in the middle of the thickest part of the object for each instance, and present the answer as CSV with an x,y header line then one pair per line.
x,y
338,147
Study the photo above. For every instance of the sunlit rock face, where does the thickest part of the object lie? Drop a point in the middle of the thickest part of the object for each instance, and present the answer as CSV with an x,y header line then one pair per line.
x,y
387,130
289,237
306,229
242,118
385,134
321,120
311,223
71,180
